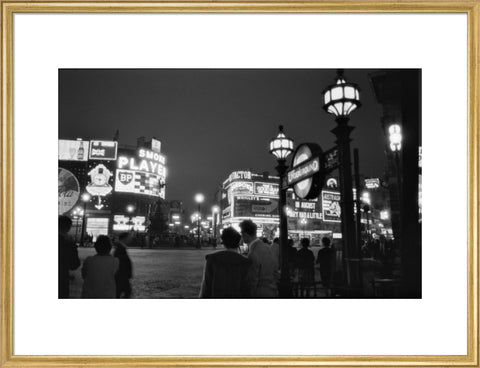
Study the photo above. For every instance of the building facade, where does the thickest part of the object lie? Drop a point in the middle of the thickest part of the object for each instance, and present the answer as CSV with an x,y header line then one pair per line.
x,y
113,188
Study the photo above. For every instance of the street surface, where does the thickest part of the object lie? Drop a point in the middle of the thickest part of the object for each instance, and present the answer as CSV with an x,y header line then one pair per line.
x,y
160,273
157,273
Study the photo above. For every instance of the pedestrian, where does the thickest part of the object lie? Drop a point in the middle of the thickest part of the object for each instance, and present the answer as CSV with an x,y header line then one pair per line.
x,y
227,274
326,260
292,255
124,273
67,256
264,264
99,271
305,261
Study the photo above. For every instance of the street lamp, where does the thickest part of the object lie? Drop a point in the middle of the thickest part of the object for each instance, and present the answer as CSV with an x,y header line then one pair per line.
x,y
199,198
341,99
85,199
281,147
130,209
303,221
77,213
215,211
395,139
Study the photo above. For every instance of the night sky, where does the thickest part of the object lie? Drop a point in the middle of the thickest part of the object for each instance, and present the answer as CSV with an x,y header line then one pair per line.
x,y
213,122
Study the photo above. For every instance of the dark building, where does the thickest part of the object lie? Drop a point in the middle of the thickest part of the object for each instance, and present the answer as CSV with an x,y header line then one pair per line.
x,y
399,93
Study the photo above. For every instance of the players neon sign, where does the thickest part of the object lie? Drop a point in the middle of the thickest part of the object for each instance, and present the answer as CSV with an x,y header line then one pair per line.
x,y
143,174
147,161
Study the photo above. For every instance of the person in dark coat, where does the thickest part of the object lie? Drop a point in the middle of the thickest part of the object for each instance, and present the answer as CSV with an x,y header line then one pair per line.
x,y
124,273
326,259
292,256
67,257
305,261
227,274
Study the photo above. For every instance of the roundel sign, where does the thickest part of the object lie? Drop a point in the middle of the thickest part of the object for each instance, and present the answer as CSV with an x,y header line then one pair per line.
x,y
307,174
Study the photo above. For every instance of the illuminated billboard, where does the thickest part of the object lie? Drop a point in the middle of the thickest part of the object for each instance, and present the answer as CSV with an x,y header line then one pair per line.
x,y
258,207
124,223
129,181
241,187
72,150
303,209
372,183
265,189
156,145
331,210
68,190
103,150
141,174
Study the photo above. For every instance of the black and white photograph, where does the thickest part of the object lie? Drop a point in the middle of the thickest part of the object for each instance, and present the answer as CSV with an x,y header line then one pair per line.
x,y
239,183
265,184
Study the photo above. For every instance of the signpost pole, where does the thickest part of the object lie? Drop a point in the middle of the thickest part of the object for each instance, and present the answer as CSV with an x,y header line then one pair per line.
x,y
342,132
358,216
285,290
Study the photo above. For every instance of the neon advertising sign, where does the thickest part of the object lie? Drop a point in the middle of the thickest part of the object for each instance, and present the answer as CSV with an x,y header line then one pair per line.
x,y
266,189
143,174
146,160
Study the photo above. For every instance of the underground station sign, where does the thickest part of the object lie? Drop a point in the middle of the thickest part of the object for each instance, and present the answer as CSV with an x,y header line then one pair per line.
x,y
307,173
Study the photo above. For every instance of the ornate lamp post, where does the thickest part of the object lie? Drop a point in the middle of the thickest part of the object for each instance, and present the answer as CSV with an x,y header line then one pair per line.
x,y
85,199
199,198
341,99
281,147
395,138
215,211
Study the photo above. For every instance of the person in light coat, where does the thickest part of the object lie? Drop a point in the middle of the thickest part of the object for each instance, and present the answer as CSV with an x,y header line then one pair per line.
x,y
264,264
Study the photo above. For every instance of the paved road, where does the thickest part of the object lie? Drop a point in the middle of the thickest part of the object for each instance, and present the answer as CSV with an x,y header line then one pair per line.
x,y
165,273
161,273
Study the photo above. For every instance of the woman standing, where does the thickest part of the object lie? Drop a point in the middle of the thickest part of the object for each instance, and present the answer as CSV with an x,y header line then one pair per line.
x,y
98,271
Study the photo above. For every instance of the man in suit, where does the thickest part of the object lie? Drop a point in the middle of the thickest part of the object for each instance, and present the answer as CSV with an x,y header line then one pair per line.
x,y
264,264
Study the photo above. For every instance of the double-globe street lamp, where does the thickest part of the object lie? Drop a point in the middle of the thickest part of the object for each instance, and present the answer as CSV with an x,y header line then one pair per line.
x,y
199,198
281,147
341,99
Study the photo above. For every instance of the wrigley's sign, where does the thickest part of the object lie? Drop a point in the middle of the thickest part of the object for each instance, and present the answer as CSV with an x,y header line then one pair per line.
x,y
304,170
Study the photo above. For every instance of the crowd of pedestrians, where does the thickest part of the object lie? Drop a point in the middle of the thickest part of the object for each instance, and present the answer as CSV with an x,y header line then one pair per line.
x,y
229,274
104,275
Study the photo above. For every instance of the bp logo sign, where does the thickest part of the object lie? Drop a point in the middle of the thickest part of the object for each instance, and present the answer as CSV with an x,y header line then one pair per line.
x,y
307,174
125,177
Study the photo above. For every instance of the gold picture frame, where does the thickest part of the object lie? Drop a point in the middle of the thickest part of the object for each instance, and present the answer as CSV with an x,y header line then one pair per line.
x,y
9,8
